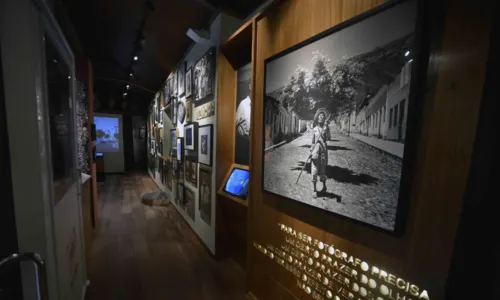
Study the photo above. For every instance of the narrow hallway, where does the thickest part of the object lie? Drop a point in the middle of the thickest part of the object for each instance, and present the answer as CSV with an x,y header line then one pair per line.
x,y
143,252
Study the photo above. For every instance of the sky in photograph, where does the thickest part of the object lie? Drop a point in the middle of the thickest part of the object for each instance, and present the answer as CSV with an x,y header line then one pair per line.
x,y
360,38
107,124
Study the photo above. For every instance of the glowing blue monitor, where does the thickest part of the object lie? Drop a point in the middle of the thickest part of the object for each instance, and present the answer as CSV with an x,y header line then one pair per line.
x,y
237,184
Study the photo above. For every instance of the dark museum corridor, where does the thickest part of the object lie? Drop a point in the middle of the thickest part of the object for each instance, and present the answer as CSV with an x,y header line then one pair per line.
x,y
148,252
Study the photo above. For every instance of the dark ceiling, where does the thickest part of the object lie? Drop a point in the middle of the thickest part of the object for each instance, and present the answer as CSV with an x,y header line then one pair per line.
x,y
110,31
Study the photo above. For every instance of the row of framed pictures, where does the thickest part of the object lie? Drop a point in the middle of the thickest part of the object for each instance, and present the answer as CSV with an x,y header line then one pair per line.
x,y
185,196
197,81
196,138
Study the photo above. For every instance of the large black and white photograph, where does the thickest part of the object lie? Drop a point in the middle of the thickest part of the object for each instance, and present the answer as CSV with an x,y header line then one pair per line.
x,y
206,195
243,110
205,142
335,116
204,77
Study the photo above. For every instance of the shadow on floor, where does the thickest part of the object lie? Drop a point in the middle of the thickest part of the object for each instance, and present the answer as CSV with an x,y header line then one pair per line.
x,y
330,148
339,174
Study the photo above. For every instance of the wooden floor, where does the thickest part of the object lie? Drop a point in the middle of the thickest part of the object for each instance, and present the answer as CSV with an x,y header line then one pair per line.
x,y
141,252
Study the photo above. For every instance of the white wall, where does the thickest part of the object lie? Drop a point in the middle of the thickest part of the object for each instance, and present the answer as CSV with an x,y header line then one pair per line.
x,y
114,162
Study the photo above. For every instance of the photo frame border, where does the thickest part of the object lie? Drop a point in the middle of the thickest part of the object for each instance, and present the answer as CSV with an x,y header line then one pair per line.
x,y
415,109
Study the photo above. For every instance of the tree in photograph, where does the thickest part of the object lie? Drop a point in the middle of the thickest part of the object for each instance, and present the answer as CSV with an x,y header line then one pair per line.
x,y
117,136
295,95
346,77
100,134
321,85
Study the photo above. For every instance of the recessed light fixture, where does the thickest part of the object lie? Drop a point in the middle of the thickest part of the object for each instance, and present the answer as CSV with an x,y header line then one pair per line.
x,y
124,94
69,77
136,58
131,74
407,53
128,86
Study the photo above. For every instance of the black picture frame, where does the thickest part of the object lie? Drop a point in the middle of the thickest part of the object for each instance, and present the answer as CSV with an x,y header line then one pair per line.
x,y
190,136
205,155
205,192
204,77
166,93
181,73
413,132
181,112
189,82
173,138
180,149
174,111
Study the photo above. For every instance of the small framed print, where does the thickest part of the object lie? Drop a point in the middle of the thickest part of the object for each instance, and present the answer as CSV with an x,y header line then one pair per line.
x,y
173,138
181,73
180,149
190,131
174,112
205,195
189,82
180,193
189,111
205,142
181,112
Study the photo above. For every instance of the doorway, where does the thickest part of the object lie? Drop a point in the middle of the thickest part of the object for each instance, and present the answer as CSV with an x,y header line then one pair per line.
x,y
39,96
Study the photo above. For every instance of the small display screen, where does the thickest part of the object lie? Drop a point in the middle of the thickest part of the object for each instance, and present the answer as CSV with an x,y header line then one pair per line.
x,y
237,184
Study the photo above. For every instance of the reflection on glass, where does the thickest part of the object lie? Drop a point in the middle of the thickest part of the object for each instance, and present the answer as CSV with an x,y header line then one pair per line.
x,y
61,130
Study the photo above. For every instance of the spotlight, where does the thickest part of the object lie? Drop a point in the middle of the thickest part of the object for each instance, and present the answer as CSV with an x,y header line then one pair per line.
x,y
124,94
410,60
128,86
131,74
407,53
136,58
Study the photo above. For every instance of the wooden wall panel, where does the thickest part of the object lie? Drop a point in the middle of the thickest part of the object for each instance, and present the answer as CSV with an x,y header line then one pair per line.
x,y
451,101
226,114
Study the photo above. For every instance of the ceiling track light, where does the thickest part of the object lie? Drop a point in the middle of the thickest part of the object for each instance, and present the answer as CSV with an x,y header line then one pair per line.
x,y
136,58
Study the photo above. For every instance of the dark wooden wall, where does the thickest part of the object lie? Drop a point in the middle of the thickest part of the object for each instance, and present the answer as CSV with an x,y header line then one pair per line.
x,y
459,34
10,283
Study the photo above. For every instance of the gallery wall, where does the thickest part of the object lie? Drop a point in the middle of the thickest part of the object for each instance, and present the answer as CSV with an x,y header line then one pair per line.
x,y
282,231
204,114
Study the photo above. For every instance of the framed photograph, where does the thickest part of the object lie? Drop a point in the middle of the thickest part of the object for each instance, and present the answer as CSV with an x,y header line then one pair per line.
x,y
181,112
189,82
180,177
205,195
191,172
174,84
166,93
243,111
190,131
174,111
189,111
152,146
181,73
173,138
190,200
205,142
342,144
180,193
204,77
180,149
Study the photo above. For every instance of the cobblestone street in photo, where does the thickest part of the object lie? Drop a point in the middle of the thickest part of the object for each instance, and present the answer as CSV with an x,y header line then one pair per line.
x,y
363,182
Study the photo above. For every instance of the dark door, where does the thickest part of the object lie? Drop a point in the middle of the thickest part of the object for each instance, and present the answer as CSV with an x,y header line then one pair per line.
x,y
10,280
